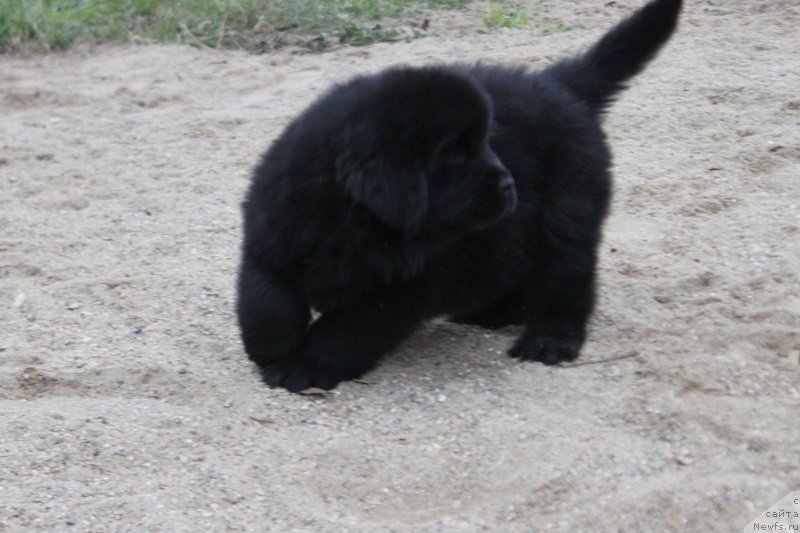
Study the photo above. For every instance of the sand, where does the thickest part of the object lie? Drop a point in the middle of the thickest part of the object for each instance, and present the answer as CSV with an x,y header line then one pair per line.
x,y
126,400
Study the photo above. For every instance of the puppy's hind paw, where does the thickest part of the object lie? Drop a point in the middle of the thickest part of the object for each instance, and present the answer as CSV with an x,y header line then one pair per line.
x,y
546,349
295,378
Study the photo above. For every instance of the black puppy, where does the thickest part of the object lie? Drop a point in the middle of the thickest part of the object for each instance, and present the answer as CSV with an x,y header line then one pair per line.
x,y
476,192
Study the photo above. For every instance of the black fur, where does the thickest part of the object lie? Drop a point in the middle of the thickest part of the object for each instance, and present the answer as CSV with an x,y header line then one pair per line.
x,y
391,200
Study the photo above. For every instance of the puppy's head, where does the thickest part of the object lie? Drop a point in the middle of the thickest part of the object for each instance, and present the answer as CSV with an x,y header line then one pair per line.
x,y
415,152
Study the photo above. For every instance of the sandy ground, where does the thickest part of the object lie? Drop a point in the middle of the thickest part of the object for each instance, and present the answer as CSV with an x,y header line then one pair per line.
x,y
127,403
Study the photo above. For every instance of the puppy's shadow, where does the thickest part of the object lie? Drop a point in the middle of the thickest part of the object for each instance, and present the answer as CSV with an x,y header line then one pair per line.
x,y
446,352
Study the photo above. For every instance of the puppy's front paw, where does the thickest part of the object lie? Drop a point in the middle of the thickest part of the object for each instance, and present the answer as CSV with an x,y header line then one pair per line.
x,y
550,350
295,377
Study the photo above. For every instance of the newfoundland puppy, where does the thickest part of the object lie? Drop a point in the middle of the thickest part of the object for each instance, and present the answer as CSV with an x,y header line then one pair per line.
x,y
472,191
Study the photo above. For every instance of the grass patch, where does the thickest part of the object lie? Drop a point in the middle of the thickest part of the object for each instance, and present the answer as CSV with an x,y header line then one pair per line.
x,y
505,17
517,14
47,25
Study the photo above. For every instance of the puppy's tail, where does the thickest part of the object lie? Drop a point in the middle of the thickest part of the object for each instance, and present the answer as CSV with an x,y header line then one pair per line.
x,y
599,73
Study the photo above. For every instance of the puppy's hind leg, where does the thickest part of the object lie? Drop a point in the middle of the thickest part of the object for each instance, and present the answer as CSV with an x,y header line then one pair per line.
x,y
272,316
560,298
559,294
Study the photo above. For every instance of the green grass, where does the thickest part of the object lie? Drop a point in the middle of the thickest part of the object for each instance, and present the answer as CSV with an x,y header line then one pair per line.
x,y
505,17
47,25
517,14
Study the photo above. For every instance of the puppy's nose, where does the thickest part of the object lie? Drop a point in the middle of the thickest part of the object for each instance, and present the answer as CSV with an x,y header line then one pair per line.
x,y
508,192
505,184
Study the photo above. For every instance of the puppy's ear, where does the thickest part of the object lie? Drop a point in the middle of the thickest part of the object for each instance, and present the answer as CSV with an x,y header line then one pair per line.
x,y
397,193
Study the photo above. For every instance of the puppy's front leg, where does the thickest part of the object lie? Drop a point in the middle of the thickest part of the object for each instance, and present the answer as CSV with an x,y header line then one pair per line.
x,y
272,316
345,343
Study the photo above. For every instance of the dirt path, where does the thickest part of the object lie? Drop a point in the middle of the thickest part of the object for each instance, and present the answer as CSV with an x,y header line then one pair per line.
x,y
127,404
